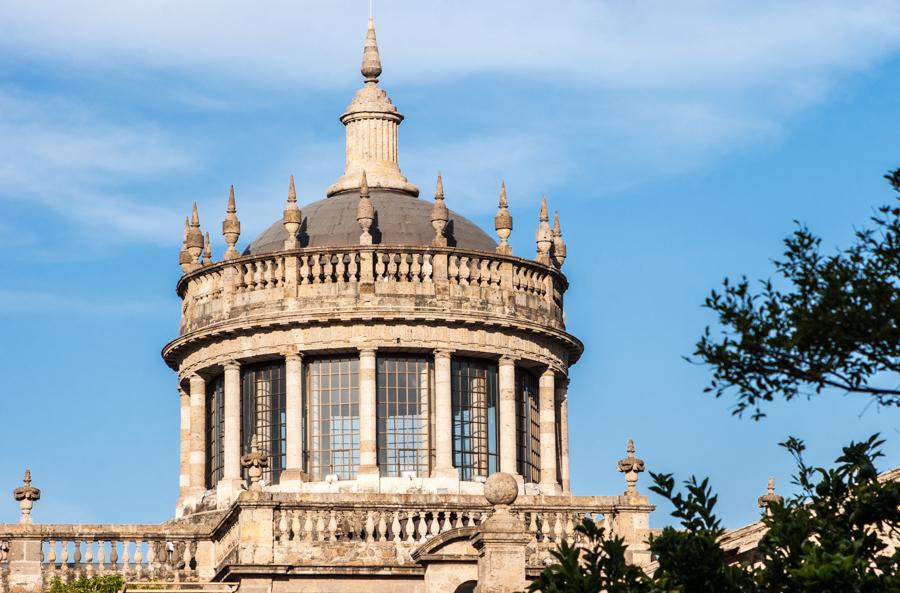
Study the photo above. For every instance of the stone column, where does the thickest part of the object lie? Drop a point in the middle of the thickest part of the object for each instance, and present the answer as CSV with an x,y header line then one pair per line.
x,y
443,417
507,377
547,397
293,411
562,396
184,473
368,419
198,437
229,487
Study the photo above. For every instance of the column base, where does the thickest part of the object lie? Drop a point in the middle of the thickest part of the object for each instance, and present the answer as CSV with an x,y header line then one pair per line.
x,y
227,491
368,478
550,488
293,479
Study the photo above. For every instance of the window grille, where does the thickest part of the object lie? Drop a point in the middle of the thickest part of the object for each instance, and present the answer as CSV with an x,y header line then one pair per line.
x,y
404,388
475,421
263,414
333,403
215,431
528,426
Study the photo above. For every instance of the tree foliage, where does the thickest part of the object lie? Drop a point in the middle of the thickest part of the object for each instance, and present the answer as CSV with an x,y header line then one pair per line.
x,y
98,584
833,536
829,321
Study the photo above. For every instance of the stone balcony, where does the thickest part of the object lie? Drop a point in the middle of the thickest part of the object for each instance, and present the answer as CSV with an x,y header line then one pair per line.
x,y
280,535
360,283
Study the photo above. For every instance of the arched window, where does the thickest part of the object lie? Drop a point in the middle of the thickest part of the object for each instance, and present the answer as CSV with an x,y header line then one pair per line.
x,y
404,388
528,426
474,402
215,430
263,414
333,403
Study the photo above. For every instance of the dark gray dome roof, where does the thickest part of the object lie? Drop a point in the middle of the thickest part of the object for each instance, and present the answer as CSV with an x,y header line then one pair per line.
x,y
400,219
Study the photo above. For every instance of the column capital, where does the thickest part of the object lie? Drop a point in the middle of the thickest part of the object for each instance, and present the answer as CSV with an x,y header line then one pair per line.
x,y
231,365
509,359
292,355
443,353
196,378
370,350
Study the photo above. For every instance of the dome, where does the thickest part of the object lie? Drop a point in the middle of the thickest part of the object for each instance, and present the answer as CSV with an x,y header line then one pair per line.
x,y
400,219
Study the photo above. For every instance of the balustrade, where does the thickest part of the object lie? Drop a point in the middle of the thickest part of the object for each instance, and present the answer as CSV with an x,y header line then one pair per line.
x,y
131,557
533,290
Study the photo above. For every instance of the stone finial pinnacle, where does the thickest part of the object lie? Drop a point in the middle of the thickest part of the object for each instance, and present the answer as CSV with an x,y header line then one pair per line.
x,y
207,251
292,217
544,236
255,461
559,245
371,62
440,216
26,495
631,466
365,212
194,242
503,223
770,497
184,256
231,227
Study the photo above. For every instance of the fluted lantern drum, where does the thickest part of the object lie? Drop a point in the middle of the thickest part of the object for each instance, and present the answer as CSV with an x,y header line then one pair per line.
x,y
371,341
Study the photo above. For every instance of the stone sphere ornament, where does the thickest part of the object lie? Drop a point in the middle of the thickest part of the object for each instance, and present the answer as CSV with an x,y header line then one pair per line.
x,y
501,489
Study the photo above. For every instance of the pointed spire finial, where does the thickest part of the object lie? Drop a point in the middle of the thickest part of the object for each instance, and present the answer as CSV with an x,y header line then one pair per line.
x,y
559,245
184,256
439,214
207,251
371,62
195,237
503,223
365,212
544,236
292,217
231,227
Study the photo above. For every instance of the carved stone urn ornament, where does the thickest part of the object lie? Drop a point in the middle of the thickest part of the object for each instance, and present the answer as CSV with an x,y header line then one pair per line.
x,y
631,466
254,462
26,495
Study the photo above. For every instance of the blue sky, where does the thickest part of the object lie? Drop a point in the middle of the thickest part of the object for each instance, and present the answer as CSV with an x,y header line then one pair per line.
x,y
677,143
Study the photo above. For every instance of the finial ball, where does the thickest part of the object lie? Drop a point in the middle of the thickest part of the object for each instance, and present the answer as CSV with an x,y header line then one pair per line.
x,y
501,489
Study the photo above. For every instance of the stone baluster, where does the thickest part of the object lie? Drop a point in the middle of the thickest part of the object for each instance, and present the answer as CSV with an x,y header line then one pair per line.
x,y
101,555
295,525
138,557
126,559
353,268
308,526
427,268
382,526
332,526
320,526
113,554
64,555
435,527
304,269
283,534
395,528
340,271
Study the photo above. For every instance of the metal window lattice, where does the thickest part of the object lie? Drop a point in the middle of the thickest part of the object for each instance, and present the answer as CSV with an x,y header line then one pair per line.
x,y
475,418
403,398
263,414
333,388
528,426
215,431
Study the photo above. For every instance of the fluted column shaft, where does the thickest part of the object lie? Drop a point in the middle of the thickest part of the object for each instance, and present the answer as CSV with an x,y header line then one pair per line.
x,y
507,378
562,396
443,416
547,397
198,435
293,410
232,437
368,413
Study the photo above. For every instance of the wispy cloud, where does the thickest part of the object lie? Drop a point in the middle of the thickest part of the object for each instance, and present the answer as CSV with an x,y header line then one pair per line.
x,y
75,161
647,86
